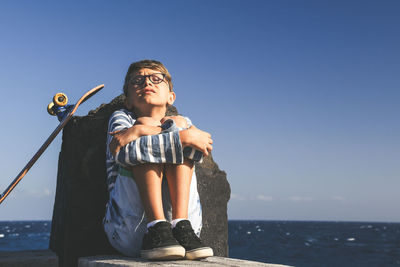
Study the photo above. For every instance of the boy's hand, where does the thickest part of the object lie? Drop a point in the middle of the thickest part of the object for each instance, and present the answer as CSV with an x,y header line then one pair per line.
x,y
197,139
122,138
179,121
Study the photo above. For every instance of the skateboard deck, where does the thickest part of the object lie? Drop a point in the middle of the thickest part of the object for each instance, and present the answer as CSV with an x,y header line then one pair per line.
x,y
66,116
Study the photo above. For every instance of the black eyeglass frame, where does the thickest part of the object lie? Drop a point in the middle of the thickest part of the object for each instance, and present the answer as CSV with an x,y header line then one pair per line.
x,y
150,77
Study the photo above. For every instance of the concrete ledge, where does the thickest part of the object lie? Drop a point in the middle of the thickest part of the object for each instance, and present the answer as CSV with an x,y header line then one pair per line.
x,y
39,258
121,261
28,258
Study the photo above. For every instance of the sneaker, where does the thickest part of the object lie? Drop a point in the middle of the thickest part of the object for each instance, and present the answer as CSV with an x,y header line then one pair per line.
x,y
195,249
159,243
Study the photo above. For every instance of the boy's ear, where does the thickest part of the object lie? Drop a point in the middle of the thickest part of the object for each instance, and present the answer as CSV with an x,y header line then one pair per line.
x,y
171,98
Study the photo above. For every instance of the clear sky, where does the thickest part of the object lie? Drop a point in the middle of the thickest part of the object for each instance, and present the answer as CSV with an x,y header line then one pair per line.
x,y
301,97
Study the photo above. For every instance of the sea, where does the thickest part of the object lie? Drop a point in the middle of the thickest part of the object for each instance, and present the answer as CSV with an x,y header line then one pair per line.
x,y
294,243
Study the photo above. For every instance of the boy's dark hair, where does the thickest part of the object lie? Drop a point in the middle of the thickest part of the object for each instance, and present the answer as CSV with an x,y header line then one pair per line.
x,y
147,64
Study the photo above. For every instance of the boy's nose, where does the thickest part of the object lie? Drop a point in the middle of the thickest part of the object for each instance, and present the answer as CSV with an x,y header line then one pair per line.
x,y
147,80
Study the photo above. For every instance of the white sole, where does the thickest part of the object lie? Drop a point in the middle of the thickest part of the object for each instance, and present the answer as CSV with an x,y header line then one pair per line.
x,y
164,253
199,253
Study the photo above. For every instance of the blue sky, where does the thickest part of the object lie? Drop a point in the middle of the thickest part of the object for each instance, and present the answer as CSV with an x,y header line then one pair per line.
x,y
301,97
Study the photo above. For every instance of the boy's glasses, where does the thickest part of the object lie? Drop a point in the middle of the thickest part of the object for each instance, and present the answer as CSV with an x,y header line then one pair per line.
x,y
154,78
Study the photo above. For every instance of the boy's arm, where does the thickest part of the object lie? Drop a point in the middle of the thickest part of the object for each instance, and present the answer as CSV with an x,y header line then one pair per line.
x,y
190,152
123,137
185,123
160,148
131,144
166,147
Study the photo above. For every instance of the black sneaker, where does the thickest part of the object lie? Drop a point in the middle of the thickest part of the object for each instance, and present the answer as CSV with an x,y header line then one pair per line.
x,y
195,249
159,243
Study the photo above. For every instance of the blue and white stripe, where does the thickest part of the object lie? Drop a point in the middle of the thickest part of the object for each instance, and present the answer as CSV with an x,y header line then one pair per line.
x,y
162,148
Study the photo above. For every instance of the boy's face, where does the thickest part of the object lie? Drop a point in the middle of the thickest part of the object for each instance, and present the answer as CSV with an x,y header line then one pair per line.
x,y
148,93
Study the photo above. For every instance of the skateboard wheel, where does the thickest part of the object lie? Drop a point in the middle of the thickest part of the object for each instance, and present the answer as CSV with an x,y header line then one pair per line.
x,y
50,109
60,99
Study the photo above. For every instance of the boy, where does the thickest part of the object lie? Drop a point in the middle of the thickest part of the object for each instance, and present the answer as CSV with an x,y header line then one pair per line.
x,y
144,147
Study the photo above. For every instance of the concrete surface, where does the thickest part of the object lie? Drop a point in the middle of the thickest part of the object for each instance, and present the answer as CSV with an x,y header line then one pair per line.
x,y
28,258
47,258
120,261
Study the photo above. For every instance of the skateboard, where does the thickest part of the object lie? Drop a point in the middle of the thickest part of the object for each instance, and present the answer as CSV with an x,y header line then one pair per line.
x,y
58,107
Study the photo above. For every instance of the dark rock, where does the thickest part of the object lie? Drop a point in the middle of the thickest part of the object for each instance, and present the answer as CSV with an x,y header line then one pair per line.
x,y
82,194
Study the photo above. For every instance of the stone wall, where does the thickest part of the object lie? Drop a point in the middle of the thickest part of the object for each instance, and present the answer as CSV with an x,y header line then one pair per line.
x,y
81,192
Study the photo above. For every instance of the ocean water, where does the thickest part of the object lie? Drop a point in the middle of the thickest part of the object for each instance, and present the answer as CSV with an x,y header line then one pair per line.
x,y
293,243
24,235
316,243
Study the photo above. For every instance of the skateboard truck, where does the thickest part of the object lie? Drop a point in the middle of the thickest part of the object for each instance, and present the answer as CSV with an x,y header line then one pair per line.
x,y
58,107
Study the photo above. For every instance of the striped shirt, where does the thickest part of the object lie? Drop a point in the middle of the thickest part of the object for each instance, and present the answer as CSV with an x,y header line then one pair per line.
x,y
165,147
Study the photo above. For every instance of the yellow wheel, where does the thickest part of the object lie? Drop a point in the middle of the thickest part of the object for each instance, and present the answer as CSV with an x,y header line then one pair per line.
x,y
60,99
50,110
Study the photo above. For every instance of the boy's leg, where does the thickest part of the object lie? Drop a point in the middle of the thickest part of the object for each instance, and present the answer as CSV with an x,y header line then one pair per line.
x,y
148,178
158,242
179,178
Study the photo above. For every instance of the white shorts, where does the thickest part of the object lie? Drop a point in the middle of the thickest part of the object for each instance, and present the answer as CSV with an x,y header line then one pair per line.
x,y
125,220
